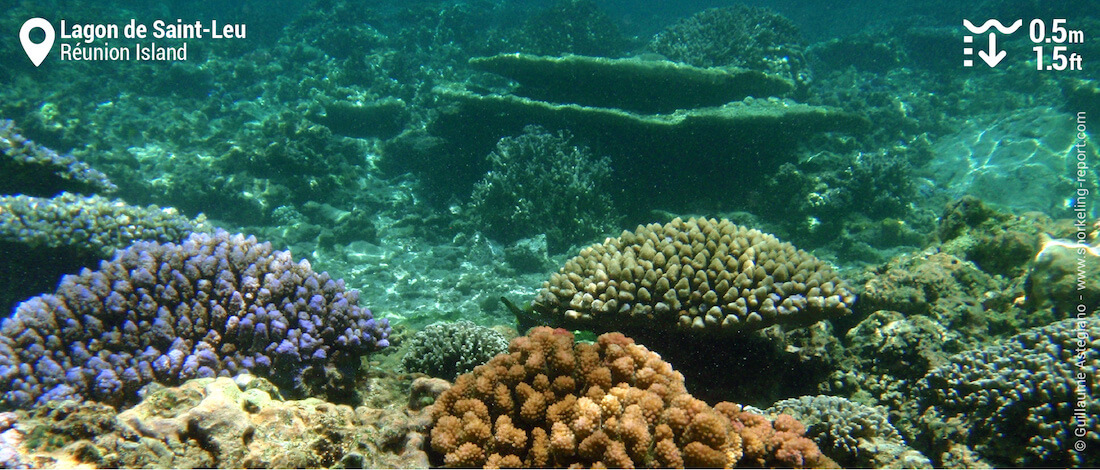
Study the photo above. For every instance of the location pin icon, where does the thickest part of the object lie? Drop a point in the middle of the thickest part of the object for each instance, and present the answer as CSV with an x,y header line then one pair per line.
x,y
36,52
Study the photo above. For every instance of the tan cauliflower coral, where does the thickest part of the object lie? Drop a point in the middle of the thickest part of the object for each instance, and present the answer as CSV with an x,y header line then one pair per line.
x,y
695,276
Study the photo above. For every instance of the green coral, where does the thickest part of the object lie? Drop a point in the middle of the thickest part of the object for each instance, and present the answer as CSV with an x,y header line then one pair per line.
x,y
571,26
446,350
540,182
752,37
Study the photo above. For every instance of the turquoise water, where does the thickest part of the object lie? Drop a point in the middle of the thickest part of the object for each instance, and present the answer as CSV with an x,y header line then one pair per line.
x,y
438,156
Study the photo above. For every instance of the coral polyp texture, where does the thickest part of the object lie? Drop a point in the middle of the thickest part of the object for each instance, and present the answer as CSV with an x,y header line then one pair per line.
x,y
551,402
744,36
853,434
32,169
44,238
212,305
445,349
698,276
1022,402
541,183
88,225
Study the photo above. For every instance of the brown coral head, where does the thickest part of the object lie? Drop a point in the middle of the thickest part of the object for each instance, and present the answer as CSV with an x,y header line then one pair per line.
x,y
700,276
609,404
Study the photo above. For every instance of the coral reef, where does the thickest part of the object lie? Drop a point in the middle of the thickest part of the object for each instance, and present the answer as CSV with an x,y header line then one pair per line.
x,y
224,423
869,198
744,36
632,84
10,440
41,239
446,350
953,292
1059,277
705,288
282,159
553,403
725,118
852,434
876,185
211,305
735,139
734,122
1022,401
696,277
901,345
34,170
88,225
997,241
529,255
541,183
570,27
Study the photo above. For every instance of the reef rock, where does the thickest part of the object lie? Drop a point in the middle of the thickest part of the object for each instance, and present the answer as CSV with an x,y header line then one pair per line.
x,y
218,423
1063,275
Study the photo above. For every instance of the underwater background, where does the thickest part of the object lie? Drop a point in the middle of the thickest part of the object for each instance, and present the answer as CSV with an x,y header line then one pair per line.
x,y
550,233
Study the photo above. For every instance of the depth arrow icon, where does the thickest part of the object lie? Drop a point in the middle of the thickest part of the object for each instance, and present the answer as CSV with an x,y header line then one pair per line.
x,y
993,57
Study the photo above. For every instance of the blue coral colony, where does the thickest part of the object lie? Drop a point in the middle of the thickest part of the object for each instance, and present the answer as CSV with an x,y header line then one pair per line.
x,y
564,233
170,312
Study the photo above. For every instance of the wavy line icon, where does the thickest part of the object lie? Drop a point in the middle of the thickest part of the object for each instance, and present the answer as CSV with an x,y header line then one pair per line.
x,y
993,24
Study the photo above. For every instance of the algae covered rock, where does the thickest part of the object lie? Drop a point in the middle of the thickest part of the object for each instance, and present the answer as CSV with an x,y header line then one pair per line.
x,y
905,346
997,241
950,291
1063,275
223,423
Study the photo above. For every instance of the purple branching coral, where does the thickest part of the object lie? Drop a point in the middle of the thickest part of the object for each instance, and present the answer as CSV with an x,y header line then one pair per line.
x,y
213,305
35,170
